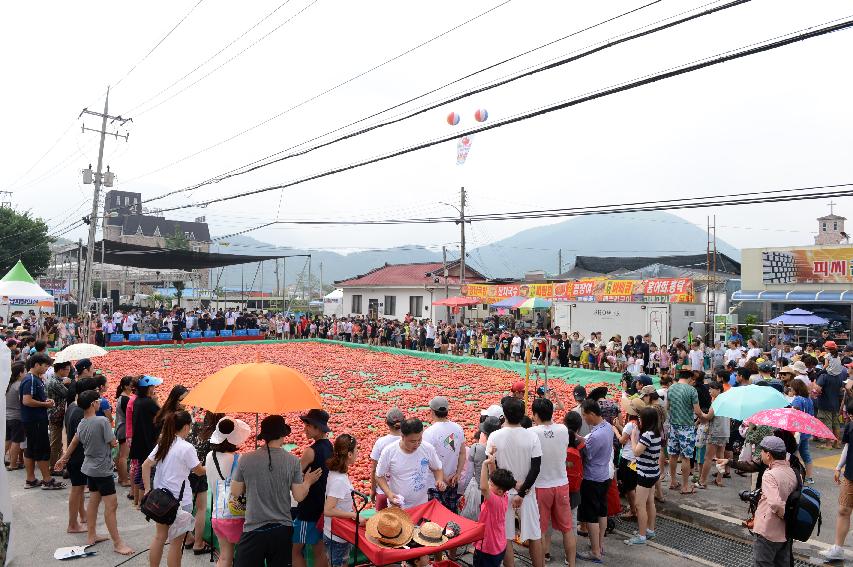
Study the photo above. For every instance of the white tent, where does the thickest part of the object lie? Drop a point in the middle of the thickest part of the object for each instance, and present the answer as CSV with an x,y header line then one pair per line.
x,y
333,303
19,291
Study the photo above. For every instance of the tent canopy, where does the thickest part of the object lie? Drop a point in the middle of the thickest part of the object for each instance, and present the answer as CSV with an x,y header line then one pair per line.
x,y
136,256
19,284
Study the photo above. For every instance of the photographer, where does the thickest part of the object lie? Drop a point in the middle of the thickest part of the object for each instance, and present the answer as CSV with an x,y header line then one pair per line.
x,y
772,547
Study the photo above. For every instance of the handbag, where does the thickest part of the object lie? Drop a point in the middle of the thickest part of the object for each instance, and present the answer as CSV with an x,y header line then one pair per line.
x,y
161,506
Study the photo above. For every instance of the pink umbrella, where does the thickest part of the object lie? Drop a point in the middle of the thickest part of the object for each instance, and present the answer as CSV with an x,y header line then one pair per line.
x,y
793,420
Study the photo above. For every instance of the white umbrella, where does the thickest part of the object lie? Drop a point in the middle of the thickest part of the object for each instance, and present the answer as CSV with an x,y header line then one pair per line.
x,y
79,351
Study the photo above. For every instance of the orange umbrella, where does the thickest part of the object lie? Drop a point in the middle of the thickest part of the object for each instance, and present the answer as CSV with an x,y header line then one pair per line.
x,y
255,388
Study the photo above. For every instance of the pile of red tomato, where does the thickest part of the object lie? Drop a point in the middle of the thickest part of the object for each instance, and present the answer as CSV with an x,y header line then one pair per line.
x,y
358,386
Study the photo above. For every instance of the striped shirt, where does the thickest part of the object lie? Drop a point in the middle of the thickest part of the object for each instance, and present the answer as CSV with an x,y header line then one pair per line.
x,y
648,462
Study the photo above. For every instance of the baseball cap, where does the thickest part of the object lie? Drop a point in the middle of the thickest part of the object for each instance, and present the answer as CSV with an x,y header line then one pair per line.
x,y
148,380
494,410
648,390
517,386
439,403
773,444
635,406
644,379
395,417
830,344
83,364
490,425
765,366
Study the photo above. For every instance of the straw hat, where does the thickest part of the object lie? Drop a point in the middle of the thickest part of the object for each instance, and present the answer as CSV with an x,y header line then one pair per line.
x,y
391,527
430,534
634,406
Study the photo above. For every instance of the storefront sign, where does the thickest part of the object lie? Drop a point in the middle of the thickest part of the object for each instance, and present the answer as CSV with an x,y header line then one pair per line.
x,y
820,265
664,290
54,286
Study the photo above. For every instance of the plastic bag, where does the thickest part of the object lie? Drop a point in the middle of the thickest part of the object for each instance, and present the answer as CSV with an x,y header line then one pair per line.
x,y
471,510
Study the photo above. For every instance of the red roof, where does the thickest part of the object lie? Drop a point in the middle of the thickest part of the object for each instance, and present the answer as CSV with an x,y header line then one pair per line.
x,y
411,275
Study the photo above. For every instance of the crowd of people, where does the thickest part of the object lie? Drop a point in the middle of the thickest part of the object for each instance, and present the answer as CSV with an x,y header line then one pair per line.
x,y
552,470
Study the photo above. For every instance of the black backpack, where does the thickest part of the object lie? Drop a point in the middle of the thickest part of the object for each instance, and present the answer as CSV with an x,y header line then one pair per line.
x,y
802,512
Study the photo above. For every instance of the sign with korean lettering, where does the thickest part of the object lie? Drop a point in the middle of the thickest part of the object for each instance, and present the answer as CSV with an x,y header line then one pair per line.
x,y
807,265
662,290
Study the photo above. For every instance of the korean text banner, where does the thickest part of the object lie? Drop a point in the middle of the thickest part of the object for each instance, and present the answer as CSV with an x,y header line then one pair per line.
x,y
662,290
822,265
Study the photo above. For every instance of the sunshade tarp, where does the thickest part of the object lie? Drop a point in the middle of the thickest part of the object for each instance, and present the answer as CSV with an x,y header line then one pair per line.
x,y
798,317
136,256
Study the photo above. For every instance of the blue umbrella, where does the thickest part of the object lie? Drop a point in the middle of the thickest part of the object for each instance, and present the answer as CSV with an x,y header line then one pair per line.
x,y
509,302
745,401
798,317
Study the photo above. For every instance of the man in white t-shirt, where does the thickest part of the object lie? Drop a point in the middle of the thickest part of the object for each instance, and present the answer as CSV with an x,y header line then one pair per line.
x,y
518,450
407,469
552,484
697,357
393,420
448,439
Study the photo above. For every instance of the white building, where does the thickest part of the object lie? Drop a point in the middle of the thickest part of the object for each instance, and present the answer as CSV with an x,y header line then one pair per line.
x,y
394,290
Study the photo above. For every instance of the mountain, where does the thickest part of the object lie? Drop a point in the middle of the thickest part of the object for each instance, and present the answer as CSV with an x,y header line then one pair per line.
x,y
623,234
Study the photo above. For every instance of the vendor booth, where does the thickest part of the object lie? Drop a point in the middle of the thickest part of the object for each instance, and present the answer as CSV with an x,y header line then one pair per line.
x,y
20,292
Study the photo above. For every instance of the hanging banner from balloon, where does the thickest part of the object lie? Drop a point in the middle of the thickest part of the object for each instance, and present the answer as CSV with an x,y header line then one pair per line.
x,y
463,145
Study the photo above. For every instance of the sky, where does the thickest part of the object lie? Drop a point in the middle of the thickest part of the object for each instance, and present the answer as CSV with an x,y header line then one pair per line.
x,y
775,120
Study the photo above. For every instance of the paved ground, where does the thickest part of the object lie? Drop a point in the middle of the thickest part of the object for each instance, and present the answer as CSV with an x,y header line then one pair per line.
x,y
40,521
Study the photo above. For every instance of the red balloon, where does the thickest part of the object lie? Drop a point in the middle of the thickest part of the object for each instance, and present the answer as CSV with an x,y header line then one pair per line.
x,y
453,118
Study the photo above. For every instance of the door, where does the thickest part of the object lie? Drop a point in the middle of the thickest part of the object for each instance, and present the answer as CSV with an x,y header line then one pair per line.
x,y
372,308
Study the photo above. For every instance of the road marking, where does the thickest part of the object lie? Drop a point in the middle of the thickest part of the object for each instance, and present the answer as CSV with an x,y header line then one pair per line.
x,y
828,462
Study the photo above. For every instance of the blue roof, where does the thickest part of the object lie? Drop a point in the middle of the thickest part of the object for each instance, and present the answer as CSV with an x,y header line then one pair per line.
x,y
792,296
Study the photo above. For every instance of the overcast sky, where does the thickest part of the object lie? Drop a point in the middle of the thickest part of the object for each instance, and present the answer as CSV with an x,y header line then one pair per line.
x,y
775,120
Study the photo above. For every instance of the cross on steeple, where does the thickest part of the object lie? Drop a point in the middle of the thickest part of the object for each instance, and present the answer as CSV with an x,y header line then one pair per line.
x,y
831,205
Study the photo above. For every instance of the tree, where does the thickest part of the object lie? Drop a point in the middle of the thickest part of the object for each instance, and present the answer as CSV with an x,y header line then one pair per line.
x,y
178,241
180,286
24,237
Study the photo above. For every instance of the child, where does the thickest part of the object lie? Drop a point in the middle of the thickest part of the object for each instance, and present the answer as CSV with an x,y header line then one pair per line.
x,y
574,461
585,355
96,435
339,500
645,444
627,473
494,483
718,436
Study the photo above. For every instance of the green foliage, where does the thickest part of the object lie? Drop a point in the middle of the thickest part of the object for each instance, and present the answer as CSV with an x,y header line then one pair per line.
x,y
179,286
24,237
748,325
177,241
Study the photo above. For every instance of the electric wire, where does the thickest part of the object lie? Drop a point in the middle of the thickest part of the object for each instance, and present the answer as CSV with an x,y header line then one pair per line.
x,y
227,61
528,72
802,35
325,92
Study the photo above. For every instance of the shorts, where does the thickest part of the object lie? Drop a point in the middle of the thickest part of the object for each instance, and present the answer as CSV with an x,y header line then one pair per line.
x,y
682,441
487,559
15,432
338,551
306,532
828,417
593,500
528,515
626,476
430,343
721,441
647,481
75,475
106,485
574,358
38,441
229,529
554,508
270,543
198,483
845,493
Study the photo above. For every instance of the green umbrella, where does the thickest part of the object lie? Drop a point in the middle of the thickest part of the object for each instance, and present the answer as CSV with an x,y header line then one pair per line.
x,y
745,401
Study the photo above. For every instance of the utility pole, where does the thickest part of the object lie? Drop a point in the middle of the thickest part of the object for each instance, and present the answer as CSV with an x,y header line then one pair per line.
x,y
446,286
559,261
462,248
86,292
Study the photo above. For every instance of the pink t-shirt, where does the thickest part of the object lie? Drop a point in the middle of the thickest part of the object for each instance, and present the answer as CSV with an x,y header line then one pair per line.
x,y
493,516
128,417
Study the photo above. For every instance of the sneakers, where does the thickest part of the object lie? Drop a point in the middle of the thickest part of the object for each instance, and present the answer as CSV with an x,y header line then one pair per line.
x,y
587,556
834,553
809,480
636,540
650,534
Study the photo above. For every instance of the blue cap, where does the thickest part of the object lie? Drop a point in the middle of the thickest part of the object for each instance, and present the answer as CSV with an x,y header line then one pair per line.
x,y
150,381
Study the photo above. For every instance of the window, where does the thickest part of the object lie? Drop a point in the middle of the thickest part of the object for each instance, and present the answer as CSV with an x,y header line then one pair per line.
x,y
824,227
356,304
416,305
835,226
390,305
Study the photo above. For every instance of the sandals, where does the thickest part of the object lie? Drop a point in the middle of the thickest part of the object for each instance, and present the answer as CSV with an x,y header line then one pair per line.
x,y
32,484
698,485
52,484
203,551
691,491
675,486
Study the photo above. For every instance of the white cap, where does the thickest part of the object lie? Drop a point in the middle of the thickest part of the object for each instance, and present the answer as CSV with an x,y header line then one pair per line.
x,y
493,411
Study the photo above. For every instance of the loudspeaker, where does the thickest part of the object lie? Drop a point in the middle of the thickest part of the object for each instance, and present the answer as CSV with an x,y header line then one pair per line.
x,y
114,296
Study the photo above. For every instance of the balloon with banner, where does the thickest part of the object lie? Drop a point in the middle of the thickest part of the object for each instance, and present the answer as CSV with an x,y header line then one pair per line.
x,y
463,146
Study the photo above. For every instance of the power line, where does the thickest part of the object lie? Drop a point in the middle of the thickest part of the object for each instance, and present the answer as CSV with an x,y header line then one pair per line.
x,y
323,93
802,35
226,62
156,45
600,46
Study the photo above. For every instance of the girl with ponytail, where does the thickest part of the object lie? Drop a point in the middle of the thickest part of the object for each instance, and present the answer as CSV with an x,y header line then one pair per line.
x,y
175,459
339,498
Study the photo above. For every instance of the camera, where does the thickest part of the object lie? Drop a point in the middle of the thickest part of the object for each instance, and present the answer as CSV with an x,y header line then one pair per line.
x,y
750,496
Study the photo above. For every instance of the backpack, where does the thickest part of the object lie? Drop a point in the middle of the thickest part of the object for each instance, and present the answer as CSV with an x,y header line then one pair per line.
x,y
802,512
